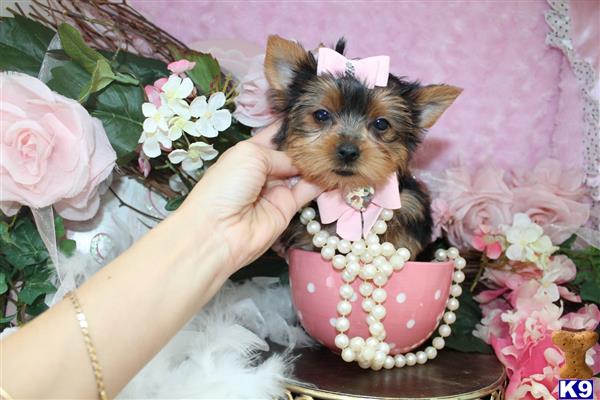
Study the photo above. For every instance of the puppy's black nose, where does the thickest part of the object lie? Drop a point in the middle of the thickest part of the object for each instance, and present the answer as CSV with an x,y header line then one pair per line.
x,y
347,152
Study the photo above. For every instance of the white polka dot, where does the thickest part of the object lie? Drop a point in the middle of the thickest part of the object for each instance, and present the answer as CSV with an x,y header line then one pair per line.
x,y
311,287
401,298
438,294
410,324
354,297
332,321
329,281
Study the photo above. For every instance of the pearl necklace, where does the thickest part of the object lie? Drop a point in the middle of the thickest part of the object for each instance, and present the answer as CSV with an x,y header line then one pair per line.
x,y
374,263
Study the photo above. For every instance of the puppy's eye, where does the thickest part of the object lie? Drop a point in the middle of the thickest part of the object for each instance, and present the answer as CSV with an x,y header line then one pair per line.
x,y
381,124
322,115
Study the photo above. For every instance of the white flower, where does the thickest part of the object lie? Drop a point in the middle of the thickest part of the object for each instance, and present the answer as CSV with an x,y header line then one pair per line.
x,y
527,241
174,92
156,118
192,158
177,125
152,141
211,120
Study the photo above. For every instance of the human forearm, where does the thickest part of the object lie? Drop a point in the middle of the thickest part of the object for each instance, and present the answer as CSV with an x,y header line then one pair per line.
x,y
134,306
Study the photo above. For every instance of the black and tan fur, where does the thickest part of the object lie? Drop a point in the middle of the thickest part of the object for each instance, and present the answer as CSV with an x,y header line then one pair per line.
x,y
407,107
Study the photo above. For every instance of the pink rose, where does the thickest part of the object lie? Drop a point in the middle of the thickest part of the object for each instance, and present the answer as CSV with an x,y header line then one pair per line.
x,y
252,104
181,66
554,197
558,179
481,200
53,152
559,216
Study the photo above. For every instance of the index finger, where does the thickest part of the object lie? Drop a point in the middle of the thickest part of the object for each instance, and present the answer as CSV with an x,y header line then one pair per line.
x,y
265,135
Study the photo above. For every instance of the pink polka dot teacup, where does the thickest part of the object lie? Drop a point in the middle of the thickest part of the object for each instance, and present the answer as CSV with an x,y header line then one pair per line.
x,y
416,300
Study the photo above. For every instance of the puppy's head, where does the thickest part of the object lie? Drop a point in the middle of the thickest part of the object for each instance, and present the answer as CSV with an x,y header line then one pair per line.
x,y
340,133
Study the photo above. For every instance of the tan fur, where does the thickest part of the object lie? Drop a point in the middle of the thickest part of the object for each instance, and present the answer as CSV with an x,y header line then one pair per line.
x,y
434,100
281,55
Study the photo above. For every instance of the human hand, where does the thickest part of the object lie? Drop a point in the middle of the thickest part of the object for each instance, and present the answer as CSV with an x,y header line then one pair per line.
x,y
244,201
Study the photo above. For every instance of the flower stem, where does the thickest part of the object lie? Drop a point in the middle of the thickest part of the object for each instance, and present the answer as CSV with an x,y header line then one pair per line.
x,y
482,266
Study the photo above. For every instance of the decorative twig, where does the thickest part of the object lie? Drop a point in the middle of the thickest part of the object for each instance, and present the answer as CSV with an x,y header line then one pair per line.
x,y
123,203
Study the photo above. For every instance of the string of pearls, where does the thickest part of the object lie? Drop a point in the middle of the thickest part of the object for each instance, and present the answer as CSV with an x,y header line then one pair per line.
x,y
374,263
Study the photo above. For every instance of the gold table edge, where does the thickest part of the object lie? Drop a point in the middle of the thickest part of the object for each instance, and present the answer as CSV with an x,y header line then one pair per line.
x,y
327,395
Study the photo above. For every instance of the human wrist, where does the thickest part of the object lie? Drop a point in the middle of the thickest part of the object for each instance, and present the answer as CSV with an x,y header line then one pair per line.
x,y
203,238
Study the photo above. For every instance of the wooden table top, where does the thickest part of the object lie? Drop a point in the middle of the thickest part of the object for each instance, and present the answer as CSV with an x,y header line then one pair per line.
x,y
452,375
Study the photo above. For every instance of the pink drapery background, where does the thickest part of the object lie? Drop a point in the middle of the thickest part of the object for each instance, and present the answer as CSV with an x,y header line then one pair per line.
x,y
521,102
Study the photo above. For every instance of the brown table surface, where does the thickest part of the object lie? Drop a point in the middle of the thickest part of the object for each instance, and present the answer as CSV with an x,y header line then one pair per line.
x,y
451,375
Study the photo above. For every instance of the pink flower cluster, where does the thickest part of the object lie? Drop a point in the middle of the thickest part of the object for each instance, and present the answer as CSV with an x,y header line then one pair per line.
x,y
520,314
470,206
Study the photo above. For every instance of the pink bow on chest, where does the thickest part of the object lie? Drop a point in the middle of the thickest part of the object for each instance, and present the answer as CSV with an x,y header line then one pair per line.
x,y
373,71
352,223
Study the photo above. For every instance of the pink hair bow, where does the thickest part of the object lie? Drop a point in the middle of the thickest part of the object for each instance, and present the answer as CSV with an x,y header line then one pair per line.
x,y
351,223
374,71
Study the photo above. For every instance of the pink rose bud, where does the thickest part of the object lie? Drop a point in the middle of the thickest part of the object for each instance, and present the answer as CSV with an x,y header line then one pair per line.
x,y
181,66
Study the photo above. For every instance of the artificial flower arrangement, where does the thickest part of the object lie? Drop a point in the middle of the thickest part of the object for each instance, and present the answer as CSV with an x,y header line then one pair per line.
x,y
74,114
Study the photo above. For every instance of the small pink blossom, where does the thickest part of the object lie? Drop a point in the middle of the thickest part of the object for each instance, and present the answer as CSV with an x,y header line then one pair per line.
x,y
181,66
144,165
487,243
153,91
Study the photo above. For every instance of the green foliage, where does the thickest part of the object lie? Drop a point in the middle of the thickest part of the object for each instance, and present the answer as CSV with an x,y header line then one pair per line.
x,y
205,72
25,267
23,246
467,316
119,107
147,70
92,61
587,261
174,203
23,43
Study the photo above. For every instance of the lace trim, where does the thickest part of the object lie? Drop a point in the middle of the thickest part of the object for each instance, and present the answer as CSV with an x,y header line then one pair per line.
x,y
559,21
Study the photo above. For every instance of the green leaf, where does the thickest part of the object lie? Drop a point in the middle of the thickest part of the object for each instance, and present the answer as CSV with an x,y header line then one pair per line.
x,y
126,78
174,203
205,72
102,77
119,107
67,247
23,43
24,246
147,70
33,289
38,307
59,227
77,49
7,319
3,284
467,316
69,79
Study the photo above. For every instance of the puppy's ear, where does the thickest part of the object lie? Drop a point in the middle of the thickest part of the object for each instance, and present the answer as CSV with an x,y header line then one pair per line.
x,y
433,100
282,60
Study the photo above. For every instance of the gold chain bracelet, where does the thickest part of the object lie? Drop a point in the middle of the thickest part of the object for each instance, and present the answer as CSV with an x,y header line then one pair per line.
x,y
83,324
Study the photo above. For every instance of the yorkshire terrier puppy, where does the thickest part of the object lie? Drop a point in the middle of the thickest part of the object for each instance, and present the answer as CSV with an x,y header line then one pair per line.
x,y
343,135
